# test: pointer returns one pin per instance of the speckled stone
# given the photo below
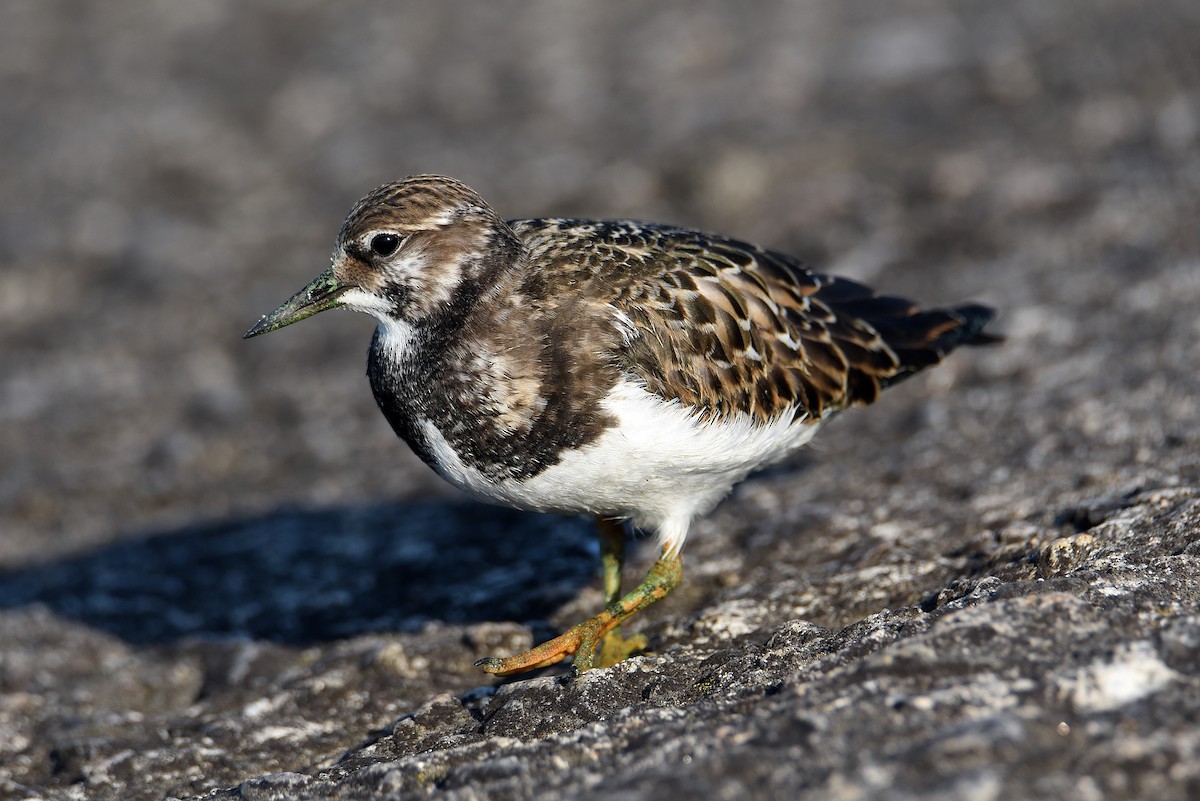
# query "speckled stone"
(222, 577)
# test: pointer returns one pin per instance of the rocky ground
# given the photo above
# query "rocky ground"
(221, 576)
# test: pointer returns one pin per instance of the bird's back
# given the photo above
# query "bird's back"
(727, 327)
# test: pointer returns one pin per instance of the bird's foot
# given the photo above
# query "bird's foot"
(596, 642)
(582, 640)
(614, 648)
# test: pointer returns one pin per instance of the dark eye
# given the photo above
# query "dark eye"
(384, 244)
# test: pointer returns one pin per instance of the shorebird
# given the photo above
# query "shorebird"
(626, 370)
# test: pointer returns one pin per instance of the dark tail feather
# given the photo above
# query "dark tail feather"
(976, 317)
(921, 339)
(905, 326)
(937, 330)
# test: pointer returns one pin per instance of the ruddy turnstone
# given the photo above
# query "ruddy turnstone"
(626, 370)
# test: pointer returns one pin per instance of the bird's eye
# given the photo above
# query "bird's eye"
(384, 244)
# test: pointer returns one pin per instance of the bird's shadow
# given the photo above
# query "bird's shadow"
(302, 577)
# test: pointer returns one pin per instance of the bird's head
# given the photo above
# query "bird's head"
(405, 251)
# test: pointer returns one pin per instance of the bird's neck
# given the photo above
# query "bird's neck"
(418, 367)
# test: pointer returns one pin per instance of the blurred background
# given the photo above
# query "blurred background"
(217, 561)
(173, 170)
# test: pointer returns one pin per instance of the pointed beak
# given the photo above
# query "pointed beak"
(321, 294)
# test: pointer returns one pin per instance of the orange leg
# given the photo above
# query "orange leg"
(614, 647)
(597, 642)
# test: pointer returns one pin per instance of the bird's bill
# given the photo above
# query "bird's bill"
(321, 294)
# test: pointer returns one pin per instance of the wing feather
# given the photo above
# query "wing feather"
(727, 327)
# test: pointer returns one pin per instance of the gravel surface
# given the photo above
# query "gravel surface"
(222, 576)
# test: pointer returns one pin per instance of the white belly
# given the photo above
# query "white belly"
(660, 466)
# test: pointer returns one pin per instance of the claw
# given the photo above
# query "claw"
(596, 642)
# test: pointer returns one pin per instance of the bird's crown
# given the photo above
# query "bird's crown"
(409, 245)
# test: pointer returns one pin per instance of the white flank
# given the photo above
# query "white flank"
(660, 466)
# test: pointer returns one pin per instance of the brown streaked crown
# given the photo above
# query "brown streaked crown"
(447, 236)
(416, 203)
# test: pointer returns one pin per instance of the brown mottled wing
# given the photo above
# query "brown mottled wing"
(727, 327)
